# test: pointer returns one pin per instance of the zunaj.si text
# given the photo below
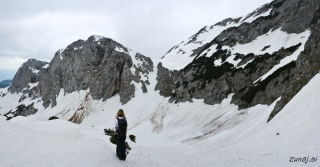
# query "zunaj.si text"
(303, 159)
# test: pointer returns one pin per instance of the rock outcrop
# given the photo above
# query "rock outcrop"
(21, 110)
(25, 110)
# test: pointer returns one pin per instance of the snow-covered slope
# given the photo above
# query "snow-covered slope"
(182, 54)
(227, 137)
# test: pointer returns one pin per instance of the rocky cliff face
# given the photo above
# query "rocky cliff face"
(27, 78)
(99, 64)
(27, 74)
(233, 57)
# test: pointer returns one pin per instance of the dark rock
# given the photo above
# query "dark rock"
(25, 110)
(53, 118)
(166, 81)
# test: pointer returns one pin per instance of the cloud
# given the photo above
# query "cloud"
(11, 63)
(37, 29)
(41, 35)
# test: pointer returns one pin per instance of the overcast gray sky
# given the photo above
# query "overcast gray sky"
(38, 28)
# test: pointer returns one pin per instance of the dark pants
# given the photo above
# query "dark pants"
(121, 148)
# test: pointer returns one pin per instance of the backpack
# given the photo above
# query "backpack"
(122, 127)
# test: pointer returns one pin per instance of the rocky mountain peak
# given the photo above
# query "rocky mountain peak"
(99, 64)
(27, 74)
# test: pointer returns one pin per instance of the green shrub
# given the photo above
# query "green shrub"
(127, 146)
(113, 139)
(111, 132)
(132, 138)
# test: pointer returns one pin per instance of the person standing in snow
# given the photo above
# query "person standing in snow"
(121, 131)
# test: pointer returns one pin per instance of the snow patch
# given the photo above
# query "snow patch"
(232, 61)
(35, 71)
(218, 62)
(75, 48)
(119, 49)
(242, 66)
(276, 39)
(32, 85)
(98, 37)
(46, 66)
(288, 41)
(210, 51)
(254, 17)
(60, 52)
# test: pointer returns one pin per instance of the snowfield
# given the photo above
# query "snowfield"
(184, 134)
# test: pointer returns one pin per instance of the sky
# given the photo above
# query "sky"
(37, 28)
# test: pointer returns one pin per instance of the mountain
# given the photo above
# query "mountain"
(270, 53)
(99, 64)
(5, 83)
(236, 93)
